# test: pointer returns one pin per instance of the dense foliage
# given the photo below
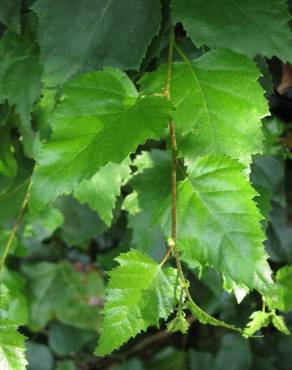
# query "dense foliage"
(145, 184)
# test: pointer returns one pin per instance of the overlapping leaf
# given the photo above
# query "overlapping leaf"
(101, 119)
(89, 35)
(102, 190)
(249, 27)
(217, 110)
(139, 293)
(81, 224)
(151, 184)
(218, 222)
(58, 290)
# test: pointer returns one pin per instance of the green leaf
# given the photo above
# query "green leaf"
(12, 198)
(139, 293)
(102, 190)
(151, 184)
(204, 318)
(64, 340)
(12, 49)
(43, 226)
(59, 290)
(284, 288)
(258, 320)
(247, 27)
(20, 74)
(39, 357)
(22, 85)
(89, 35)
(17, 309)
(218, 222)
(101, 119)
(10, 14)
(279, 323)
(66, 365)
(217, 111)
(179, 323)
(81, 224)
(11, 347)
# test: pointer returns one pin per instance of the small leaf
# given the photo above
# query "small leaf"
(279, 323)
(179, 323)
(139, 293)
(258, 320)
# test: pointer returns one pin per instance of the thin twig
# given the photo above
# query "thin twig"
(172, 241)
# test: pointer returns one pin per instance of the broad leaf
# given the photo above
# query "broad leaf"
(217, 111)
(12, 348)
(59, 290)
(248, 27)
(139, 293)
(87, 34)
(64, 340)
(10, 14)
(39, 356)
(102, 190)
(101, 119)
(218, 222)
